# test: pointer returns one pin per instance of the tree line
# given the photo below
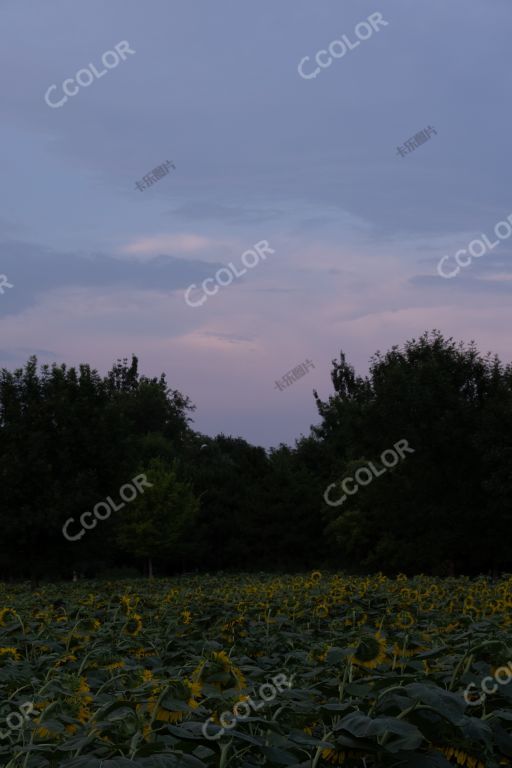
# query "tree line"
(71, 438)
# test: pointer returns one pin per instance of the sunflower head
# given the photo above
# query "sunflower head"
(343, 757)
(142, 653)
(404, 620)
(219, 672)
(128, 603)
(322, 611)
(186, 692)
(115, 665)
(460, 757)
(370, 651)
(133, 626)
(194, 692)
(147, 675)
(10, 653)
(44, 733)
(80, 698)
(7, 616)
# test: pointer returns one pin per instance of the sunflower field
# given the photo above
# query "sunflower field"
(381, 672)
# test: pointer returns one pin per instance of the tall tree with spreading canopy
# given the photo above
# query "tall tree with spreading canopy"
(434, 511)
(68, 439)
(158, 521)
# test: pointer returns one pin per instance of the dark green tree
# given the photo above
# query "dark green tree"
(440, 509)
(157, 523)
(68, 439)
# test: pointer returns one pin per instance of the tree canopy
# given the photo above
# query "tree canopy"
(70, 438)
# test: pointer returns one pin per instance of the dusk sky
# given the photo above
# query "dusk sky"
(99, 268)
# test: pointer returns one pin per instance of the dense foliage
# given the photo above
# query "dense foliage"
(71, 438)
(381, 672)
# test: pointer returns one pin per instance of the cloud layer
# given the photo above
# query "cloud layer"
(99, 269)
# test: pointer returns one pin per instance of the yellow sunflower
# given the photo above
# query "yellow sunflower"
(330, 755)
(404, 620)
(322, 611)
(333, 756)
(370, 651)
(133, 626)
(7, 615)
(182, 690)
(128, 603)
(80, 700)
(12, 653)
(459, 757)
(338, 757)
(45, 733)
(220, 665)
(142, 653)
(115, 665)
